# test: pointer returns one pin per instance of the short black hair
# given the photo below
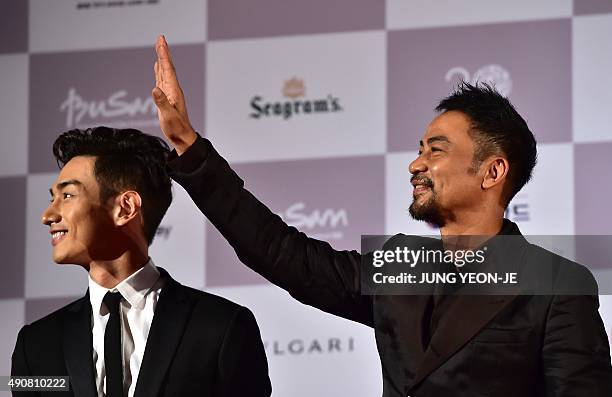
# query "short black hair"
(496, 128)
(125, 159)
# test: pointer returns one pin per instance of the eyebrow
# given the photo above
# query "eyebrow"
(437, 138)
(63, 184)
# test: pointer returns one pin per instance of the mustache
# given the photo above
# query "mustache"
(422, 180)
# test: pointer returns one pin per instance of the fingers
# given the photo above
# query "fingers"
(161, 101)
(162, 49)
(164, 60)
(167, 94)
(166, 47)
(158, 79)
(174, 125)
(159, 83)
(167, 79)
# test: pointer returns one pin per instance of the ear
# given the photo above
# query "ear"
(495, 172)
(127, 207)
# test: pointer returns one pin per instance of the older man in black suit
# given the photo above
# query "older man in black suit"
(474, 157)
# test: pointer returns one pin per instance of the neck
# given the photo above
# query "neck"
(474, 223)
(109, 273)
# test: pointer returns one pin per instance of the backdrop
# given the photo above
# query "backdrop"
(367, 74)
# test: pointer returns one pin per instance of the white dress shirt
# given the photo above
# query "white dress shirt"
(140, 294)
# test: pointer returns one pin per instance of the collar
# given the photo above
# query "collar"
(508, 228)
(133, 289)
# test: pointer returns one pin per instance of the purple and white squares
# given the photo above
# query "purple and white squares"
(424, 65)
(303, 97)
(237, 19)
(593, 191)
(12, 244)
(403, 14)
(582, 7)
(14, 81)
(69, 25)
(13, 26)
(12, 320)
(591, 78)
(335, 200)
(66, 93)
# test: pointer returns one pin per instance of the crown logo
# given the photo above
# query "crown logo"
(294, 88)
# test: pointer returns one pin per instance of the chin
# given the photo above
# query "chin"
(428, 212)
(60, 260)
(63, 259)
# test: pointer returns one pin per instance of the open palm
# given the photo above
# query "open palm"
(170, 101)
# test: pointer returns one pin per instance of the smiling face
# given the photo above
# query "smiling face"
(444, 177)
(79, 222)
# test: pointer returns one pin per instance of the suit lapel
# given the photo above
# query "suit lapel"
(405, 332)
(423, 305)
(78, 352)
(397, 327)
(169, 321)
(467, 315)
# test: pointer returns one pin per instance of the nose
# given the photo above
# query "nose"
(50, 215)
(417, 165)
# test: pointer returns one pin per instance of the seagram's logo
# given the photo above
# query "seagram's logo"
(494, 74)
(294, 88)
(323, 224)
(118, 104)
(296, 103)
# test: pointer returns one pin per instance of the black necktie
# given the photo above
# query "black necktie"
(112, 347)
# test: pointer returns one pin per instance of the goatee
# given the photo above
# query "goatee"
(429, 211)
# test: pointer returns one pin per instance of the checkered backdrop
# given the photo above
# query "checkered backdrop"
(367, 72)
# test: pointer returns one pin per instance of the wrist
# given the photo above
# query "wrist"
(183, 141)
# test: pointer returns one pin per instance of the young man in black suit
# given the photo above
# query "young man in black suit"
(136, 332)
(474, 157)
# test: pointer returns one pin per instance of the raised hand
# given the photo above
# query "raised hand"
(170, 102)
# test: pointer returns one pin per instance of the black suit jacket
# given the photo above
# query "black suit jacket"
(198, 345)
(505, 345)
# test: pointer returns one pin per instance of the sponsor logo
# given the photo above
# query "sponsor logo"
(88, 5)
(518, 209)
(296, 347)
(163, 232)
(80, 111)
(493, 74)
(324, 224)
(294, 88)
(296, 103)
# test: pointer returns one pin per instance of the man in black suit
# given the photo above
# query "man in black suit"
(136, 332)
(474, 157)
